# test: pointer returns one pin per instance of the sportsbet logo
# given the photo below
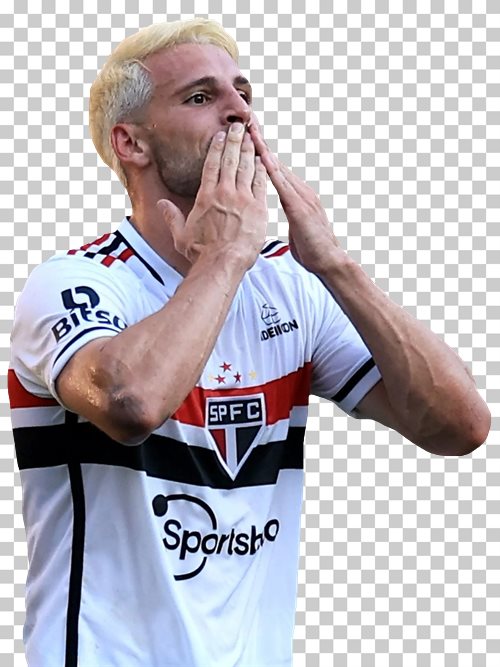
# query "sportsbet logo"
(194, 546)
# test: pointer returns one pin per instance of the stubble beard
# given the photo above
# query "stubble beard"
(179, 172)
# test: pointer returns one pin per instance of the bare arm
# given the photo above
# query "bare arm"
(129, 384)
(426, 392)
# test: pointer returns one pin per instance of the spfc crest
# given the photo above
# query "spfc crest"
(235, 422)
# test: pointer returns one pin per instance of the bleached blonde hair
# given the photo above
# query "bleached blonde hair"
(124, 87)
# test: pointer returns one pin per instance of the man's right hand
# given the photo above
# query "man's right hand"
(230, 210)
(129, 384)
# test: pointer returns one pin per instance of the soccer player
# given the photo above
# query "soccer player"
(160, 378)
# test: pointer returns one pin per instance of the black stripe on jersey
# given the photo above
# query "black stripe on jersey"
(158, 456)
(353, 381)
(77, 547)
(105, 250)
(270, 246)
(154, 273)
(82, 333)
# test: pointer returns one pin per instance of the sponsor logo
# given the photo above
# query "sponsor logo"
(275, 327)
(82, 302)
(196, 539)
(269, 315)
(235, 424)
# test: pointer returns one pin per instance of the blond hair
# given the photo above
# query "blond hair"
(124, 87)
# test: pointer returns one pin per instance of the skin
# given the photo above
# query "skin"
(164, 155)
(200, 202)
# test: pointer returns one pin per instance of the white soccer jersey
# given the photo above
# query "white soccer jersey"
(182, 551)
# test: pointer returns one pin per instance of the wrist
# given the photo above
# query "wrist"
(336, 263)
(232, 256)
(223, 263)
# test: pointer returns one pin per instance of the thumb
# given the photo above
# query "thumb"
(171, 214)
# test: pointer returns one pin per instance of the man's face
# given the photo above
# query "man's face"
(199, 90)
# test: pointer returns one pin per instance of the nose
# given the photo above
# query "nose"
(236, 110)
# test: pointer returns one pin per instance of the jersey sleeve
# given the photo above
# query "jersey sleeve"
(343, 368)
(66, 303)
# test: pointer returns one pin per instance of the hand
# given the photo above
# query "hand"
(230, 209)
(311, 237)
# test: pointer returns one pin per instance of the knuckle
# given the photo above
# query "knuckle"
(229, 160)
(223, 192)
(211, 167)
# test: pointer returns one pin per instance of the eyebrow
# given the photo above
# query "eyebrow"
(211, 81)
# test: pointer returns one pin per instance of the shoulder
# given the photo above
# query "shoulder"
(107, 268)
(277, 262)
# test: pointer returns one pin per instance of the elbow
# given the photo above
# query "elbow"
(124, 410)
(132, 419)
(461, 438)
(478, 431)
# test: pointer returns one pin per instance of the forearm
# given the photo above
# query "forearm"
(429, 388)
(141, 376)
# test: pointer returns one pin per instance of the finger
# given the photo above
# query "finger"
(173, 217)
(261, 147)
(246, 167)
(231, 155)
(254, 123)
(295, 181)
(259, 183)
(270, 161)
(211, 168)
(278, 177)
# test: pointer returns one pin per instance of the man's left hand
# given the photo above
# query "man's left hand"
(311, 237)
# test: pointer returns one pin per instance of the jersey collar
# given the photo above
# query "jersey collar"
(170, 277)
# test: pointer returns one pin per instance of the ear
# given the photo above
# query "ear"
(129, 145)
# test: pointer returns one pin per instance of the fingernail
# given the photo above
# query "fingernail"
(237, 128)
(220, 136)
(162, 205)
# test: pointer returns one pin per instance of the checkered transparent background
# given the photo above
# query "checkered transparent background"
(394, 117)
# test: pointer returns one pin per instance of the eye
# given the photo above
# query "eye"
(245, 96)
(197, 99)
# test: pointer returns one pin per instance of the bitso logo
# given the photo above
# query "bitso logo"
(81, 302)
(202, 540)
(234, 424)
(275, 327)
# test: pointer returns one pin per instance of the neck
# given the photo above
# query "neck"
(150, 224)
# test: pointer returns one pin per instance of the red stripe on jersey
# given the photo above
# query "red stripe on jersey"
(281, 394)
(123, 256)
(107, 261)
(19, 397)
(126, 254)
(98, 241)
(279, 252)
